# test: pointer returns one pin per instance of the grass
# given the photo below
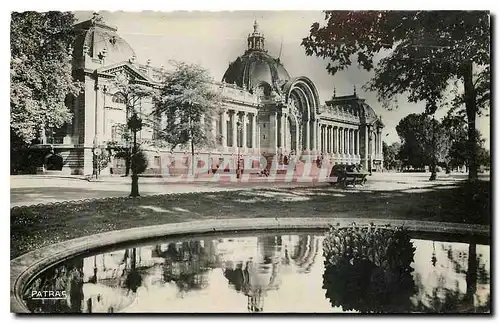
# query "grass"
(37, 226)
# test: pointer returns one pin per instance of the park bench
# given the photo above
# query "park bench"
(354, 178)
(345, 178)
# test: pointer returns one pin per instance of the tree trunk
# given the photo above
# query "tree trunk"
(127, 163)
(470, 107)
(471, 278)
(434, 158)
(192, 157)
(135, 177)
(433, 172)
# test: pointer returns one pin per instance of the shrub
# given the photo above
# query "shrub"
(368, 269)
(139, 162)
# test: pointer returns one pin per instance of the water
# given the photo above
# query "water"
(263, 273)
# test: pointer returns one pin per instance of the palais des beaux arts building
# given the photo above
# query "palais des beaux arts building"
(277, 115)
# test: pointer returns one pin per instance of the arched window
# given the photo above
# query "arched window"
(118, 98)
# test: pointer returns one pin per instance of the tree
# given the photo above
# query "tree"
(456, 128)
(424, 141)
(425, 52)
(391, 154)
(40, 72)
(189, 103)
(133, 92)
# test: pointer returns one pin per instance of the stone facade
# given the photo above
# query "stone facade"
(266, 112)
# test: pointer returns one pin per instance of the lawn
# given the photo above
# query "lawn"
(37, 226)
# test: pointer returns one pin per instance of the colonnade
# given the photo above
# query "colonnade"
(339, 140)
(232, 135)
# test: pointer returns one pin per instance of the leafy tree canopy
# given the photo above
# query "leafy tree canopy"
(425, 49)
(40, 71)
(423, 54)
(391, 154)
(423, 140)
(189, 102)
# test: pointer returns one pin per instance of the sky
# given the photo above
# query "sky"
(214, 39)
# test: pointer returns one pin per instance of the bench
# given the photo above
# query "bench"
(354, 178)
(348, 178)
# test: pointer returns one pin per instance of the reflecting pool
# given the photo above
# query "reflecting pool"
(272, 272)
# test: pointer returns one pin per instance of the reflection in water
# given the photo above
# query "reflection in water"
(382, 272)
(367, 269)
(459, 283)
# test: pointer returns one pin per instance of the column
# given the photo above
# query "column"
(346, 141)
(234, 129)
(285, 131)
(214, 128)
(351, 136)
(349, 146)
(325, 138)
(335, 139)
(332, 139)
(353, 141)
(315, 135)
(357, 142)
(322, 138)
(223, 126)
(282, 131)
(341, 140)
(380, 151)
(273, 125)
(308, 135)
(244, 139)
(254, 129)
(97, 117)
(330, 142)
(366, 148)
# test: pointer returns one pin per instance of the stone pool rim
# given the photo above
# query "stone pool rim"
(25, 267)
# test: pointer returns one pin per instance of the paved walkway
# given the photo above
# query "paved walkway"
(29, 190)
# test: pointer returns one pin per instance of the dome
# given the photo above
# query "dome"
(256, 66)
(95, 36)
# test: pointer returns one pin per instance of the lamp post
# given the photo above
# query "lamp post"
(134, 124)
(96, 151)
(238, 169)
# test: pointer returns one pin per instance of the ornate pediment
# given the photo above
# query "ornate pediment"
(125, 69)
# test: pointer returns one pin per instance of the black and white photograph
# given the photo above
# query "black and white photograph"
(251, 161)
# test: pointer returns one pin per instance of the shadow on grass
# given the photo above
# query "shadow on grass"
(48, 194)
(36, 226)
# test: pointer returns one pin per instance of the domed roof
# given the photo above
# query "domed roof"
(256, 66)
(98, 38)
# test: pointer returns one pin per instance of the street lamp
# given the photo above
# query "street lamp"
(134, 124)
(238, 169)
(96, 151)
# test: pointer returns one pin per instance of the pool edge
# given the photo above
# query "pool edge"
(25, 266)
